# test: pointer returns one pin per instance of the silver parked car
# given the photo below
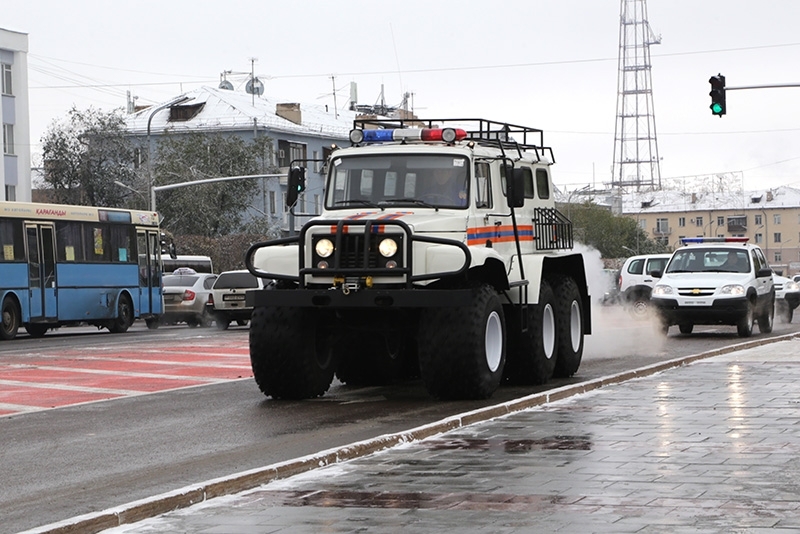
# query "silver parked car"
(186, 293)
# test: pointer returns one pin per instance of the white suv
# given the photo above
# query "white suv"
(636, 281)
(716, 281)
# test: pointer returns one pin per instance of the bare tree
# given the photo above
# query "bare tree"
(84, 154)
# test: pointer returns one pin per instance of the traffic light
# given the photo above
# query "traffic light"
(296, 184)
(717, 95)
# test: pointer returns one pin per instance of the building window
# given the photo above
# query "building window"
(776, 218)
(289, 152)
(8, 138)
(11, 193)
(776, 237)
(272, 209)
(757, 220)
(778, 257)
(681, 221)
(698, 221)
(720, 221)
(662, 226)
(759, 238)
(7, 88)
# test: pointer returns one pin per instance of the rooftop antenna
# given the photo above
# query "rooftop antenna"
(335, 107)
(254, 86)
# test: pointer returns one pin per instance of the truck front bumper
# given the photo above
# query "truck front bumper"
(360, 298)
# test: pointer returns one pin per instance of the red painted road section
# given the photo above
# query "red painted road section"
(51, 379)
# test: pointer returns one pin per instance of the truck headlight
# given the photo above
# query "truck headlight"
(324, 248)
(387, 247)
(791, 286)
(732, 289)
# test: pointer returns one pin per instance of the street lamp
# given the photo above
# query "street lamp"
(151, 179)
(129, 188)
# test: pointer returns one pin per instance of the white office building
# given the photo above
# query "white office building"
(15, 172)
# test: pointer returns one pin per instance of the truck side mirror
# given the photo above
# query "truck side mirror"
(515, 193)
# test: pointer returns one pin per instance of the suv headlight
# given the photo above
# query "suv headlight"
(732, 289)
(791, 286)
(662, 290)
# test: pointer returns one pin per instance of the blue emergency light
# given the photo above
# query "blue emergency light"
(704, 240)
(447, 135)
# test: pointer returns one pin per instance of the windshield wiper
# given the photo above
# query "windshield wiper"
(415, 201)
(359, 201)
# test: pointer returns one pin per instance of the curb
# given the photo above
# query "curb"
(187, 496)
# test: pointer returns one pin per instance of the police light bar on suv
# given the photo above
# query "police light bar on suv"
(447, 135)
(702, 240)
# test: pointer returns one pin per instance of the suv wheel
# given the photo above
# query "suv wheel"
(745, 325)
(767, 319)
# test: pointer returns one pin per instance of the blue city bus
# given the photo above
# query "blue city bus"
(63, 265)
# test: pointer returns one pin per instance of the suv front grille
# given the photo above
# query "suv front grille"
(696, 291)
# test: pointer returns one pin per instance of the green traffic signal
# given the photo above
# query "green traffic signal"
(717, 95)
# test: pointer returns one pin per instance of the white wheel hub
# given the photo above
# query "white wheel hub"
(493, 341)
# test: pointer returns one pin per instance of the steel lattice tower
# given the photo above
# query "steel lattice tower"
(636, 161)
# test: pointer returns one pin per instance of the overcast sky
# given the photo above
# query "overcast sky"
(548, 64)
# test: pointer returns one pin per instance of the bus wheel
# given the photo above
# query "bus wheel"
(124, 316)
(36, 329)
(11, 318)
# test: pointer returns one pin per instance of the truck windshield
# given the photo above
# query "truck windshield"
(440, 181)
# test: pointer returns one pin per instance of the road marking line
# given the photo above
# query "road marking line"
(119, 373)
(68, 387)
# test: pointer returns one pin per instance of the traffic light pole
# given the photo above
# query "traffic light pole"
(771, 86)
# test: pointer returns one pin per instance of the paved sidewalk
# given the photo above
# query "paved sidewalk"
(713, 446)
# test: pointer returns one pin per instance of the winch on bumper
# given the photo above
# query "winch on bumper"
(359, 271)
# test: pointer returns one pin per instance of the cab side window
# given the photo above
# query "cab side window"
(542, 183)
(483, 188)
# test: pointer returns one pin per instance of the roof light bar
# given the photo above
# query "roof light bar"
(447, 135)
(701, 240)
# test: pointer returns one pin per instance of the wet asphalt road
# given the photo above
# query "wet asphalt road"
(65, 462)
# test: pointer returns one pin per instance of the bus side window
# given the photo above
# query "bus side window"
(12, 240)
(68, 239)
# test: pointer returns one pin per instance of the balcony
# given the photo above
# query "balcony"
(662, 230)
(737, 224)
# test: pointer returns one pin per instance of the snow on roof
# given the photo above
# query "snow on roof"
(681, 201)
(224, 109)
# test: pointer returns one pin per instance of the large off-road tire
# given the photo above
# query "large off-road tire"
(290, 353)
(371, 359)
(125, 316)
(569, 327)
(766, 320)
(686, 328)
(11, 319)
(462, 350)
(532, 354)
(745, 325)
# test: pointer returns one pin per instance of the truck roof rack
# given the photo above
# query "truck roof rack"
(481, 131)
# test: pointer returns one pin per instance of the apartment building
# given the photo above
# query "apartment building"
(15, 172)
(770, 218)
